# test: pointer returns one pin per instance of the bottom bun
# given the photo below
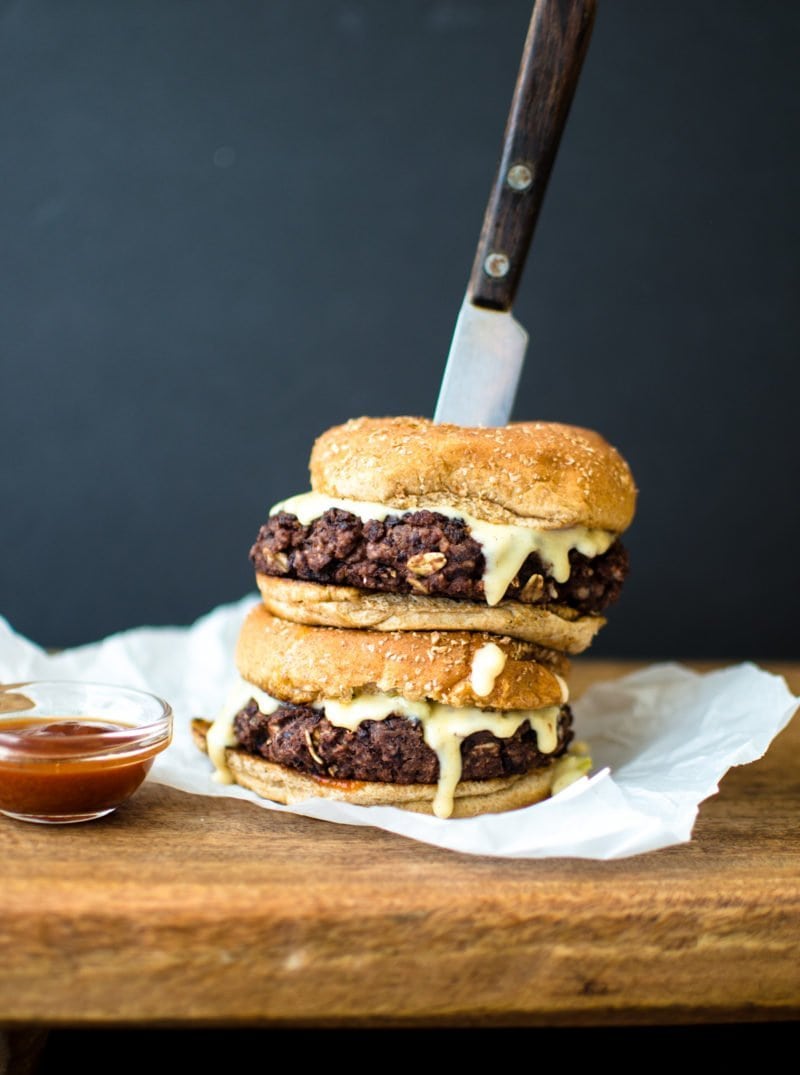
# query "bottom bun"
(553, 627)
(472, 797)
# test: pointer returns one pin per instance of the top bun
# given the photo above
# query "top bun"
(301, 664)
(540, 474)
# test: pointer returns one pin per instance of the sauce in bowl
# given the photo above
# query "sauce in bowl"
(76, 767)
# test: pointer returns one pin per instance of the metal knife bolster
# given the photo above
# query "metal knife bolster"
(483, 368)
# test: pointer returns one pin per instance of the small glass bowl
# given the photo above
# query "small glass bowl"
(73, 751)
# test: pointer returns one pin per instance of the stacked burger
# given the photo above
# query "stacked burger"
(419, 608)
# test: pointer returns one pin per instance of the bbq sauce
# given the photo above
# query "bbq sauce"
(54, 767)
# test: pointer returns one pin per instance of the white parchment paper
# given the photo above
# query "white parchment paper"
(661, 740)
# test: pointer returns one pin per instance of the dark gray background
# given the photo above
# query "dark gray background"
(227, 226)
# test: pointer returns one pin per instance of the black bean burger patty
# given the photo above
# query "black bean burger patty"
(391, 750)
(426, 553)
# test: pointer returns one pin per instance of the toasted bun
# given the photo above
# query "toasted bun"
(297, 663)
(316, 604)
(472, 797)
(541, 474)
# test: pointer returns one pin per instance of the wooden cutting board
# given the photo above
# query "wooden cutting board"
(191, 911)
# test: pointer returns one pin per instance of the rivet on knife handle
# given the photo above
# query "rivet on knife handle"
(558, 37)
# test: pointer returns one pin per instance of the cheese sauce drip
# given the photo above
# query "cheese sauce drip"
(570, 768)
(221, 734)
(505, 546)
(444, 728)
(447, 727)
(487, 664)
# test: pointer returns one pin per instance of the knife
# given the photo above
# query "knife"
(488, 346)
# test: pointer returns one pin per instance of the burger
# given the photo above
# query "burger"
(419, 606)
(411, 525)
(450, 723)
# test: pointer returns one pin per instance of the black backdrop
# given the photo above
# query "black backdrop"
(227, 226)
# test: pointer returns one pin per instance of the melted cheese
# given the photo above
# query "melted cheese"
(487, 664)
(564, 688)
(371, 707)
(505, 546)
(444, 728)
(570, 768)
(221, 734)
(447, 727)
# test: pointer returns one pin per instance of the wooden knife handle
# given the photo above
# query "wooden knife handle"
(558, 37)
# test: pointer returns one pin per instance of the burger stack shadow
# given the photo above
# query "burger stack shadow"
(419, 609)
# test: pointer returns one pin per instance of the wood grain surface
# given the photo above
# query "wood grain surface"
(182, 910)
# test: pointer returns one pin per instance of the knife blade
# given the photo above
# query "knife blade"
(488, 347)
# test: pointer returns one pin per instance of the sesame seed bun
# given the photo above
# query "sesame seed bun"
(300, 664)
(542, 474)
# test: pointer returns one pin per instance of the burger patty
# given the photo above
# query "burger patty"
(390, 751)
(423, 552)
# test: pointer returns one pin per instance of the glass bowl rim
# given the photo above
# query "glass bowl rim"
(130, 739)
